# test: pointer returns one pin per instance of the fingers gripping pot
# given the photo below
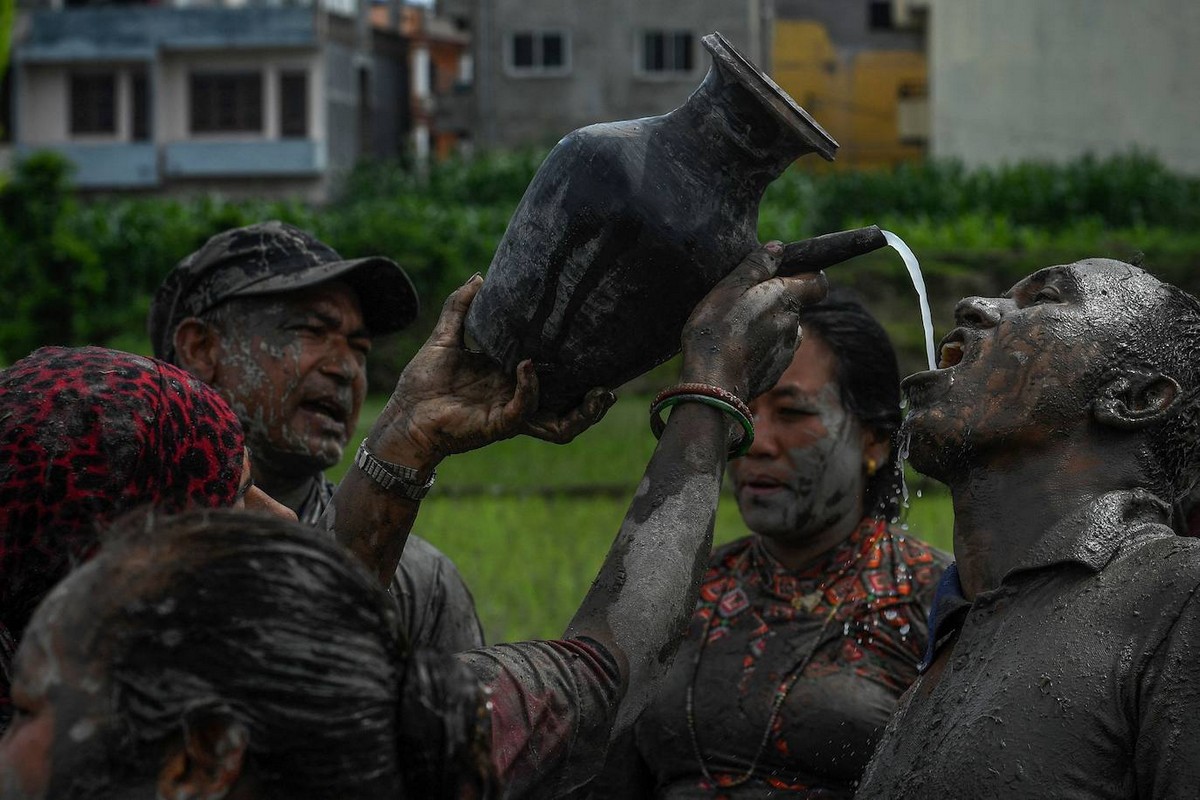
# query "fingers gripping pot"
(627, 225)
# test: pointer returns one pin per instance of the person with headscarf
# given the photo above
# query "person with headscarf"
(87, 434)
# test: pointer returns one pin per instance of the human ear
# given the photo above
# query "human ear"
(196, 348)
(1135, 399)
(876, 447)
(207, 763)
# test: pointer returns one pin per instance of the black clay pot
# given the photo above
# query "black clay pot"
(627, 225)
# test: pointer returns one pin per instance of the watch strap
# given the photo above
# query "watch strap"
(396, 478)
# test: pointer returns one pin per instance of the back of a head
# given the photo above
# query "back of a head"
(241, 619)
(86, 434)
(1172, 346)
(232, 618)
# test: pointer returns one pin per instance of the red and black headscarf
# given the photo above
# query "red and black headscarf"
(87, 434)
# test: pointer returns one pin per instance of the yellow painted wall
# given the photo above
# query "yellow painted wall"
(853, 96)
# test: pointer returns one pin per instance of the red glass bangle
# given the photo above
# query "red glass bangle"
(707, 389)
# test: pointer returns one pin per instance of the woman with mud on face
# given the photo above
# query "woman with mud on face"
(809, 629)
(87, 434)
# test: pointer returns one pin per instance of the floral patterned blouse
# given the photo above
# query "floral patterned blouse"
(792, 675)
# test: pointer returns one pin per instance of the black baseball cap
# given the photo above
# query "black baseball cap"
(271, 258)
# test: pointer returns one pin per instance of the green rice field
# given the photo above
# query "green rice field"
(528, 523)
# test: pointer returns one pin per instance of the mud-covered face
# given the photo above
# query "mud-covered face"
(294, 370)
(1024, 369)
(55, 748)
(804, 472)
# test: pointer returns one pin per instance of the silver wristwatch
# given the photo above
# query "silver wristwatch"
(396, 478)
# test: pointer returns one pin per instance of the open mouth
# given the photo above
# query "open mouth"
(329, 407)
(950, 352)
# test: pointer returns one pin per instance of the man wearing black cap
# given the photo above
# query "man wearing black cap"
(281, 325)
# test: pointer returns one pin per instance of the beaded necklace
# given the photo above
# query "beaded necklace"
(808, 602)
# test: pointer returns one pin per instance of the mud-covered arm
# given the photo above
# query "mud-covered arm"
(740, 337)
(448, 400)
(558, 705)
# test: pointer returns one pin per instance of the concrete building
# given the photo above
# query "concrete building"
(440, 66)
(542, 68)
(859, 67)
(278, 98)
(1031, 79)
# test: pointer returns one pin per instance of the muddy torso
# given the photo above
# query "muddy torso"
(1075, 680)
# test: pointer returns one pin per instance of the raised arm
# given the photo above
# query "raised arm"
(740, 338)
(556, 706)
(448, 400)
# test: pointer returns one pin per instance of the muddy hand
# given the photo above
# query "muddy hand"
(743, 334)
(450, 399)
(561, 429)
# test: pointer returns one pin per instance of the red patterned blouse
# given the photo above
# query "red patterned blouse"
(787, 678)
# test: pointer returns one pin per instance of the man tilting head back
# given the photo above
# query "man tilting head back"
(1061, 661)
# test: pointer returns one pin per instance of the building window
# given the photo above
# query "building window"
(293, 105)
(228, 102)
(667, 52)
(539, 53)
(139, 107)
(94, 103)
(912, 113)
(879, 15)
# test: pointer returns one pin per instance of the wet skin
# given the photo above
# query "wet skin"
(252, 498)
(741, 337)
(295, 373)
(801, 484)
(53, 748)
(59, 707)
(1037, 407)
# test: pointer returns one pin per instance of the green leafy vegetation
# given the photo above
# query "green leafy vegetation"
(87, 269)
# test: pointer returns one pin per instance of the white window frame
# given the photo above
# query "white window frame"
(639, 54)
(537, 70)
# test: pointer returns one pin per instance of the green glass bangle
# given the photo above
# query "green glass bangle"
(657, 426)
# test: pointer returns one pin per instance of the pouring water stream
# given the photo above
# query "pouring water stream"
(914, 272)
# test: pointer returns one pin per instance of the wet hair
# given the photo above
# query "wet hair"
(869, 382)
(239, 619)
(1172, 346)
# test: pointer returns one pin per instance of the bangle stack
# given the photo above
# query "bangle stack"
(726, 402)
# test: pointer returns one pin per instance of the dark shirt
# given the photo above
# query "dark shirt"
(437, 607)
(1077, 677)
(862, 637)
(553, 705)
